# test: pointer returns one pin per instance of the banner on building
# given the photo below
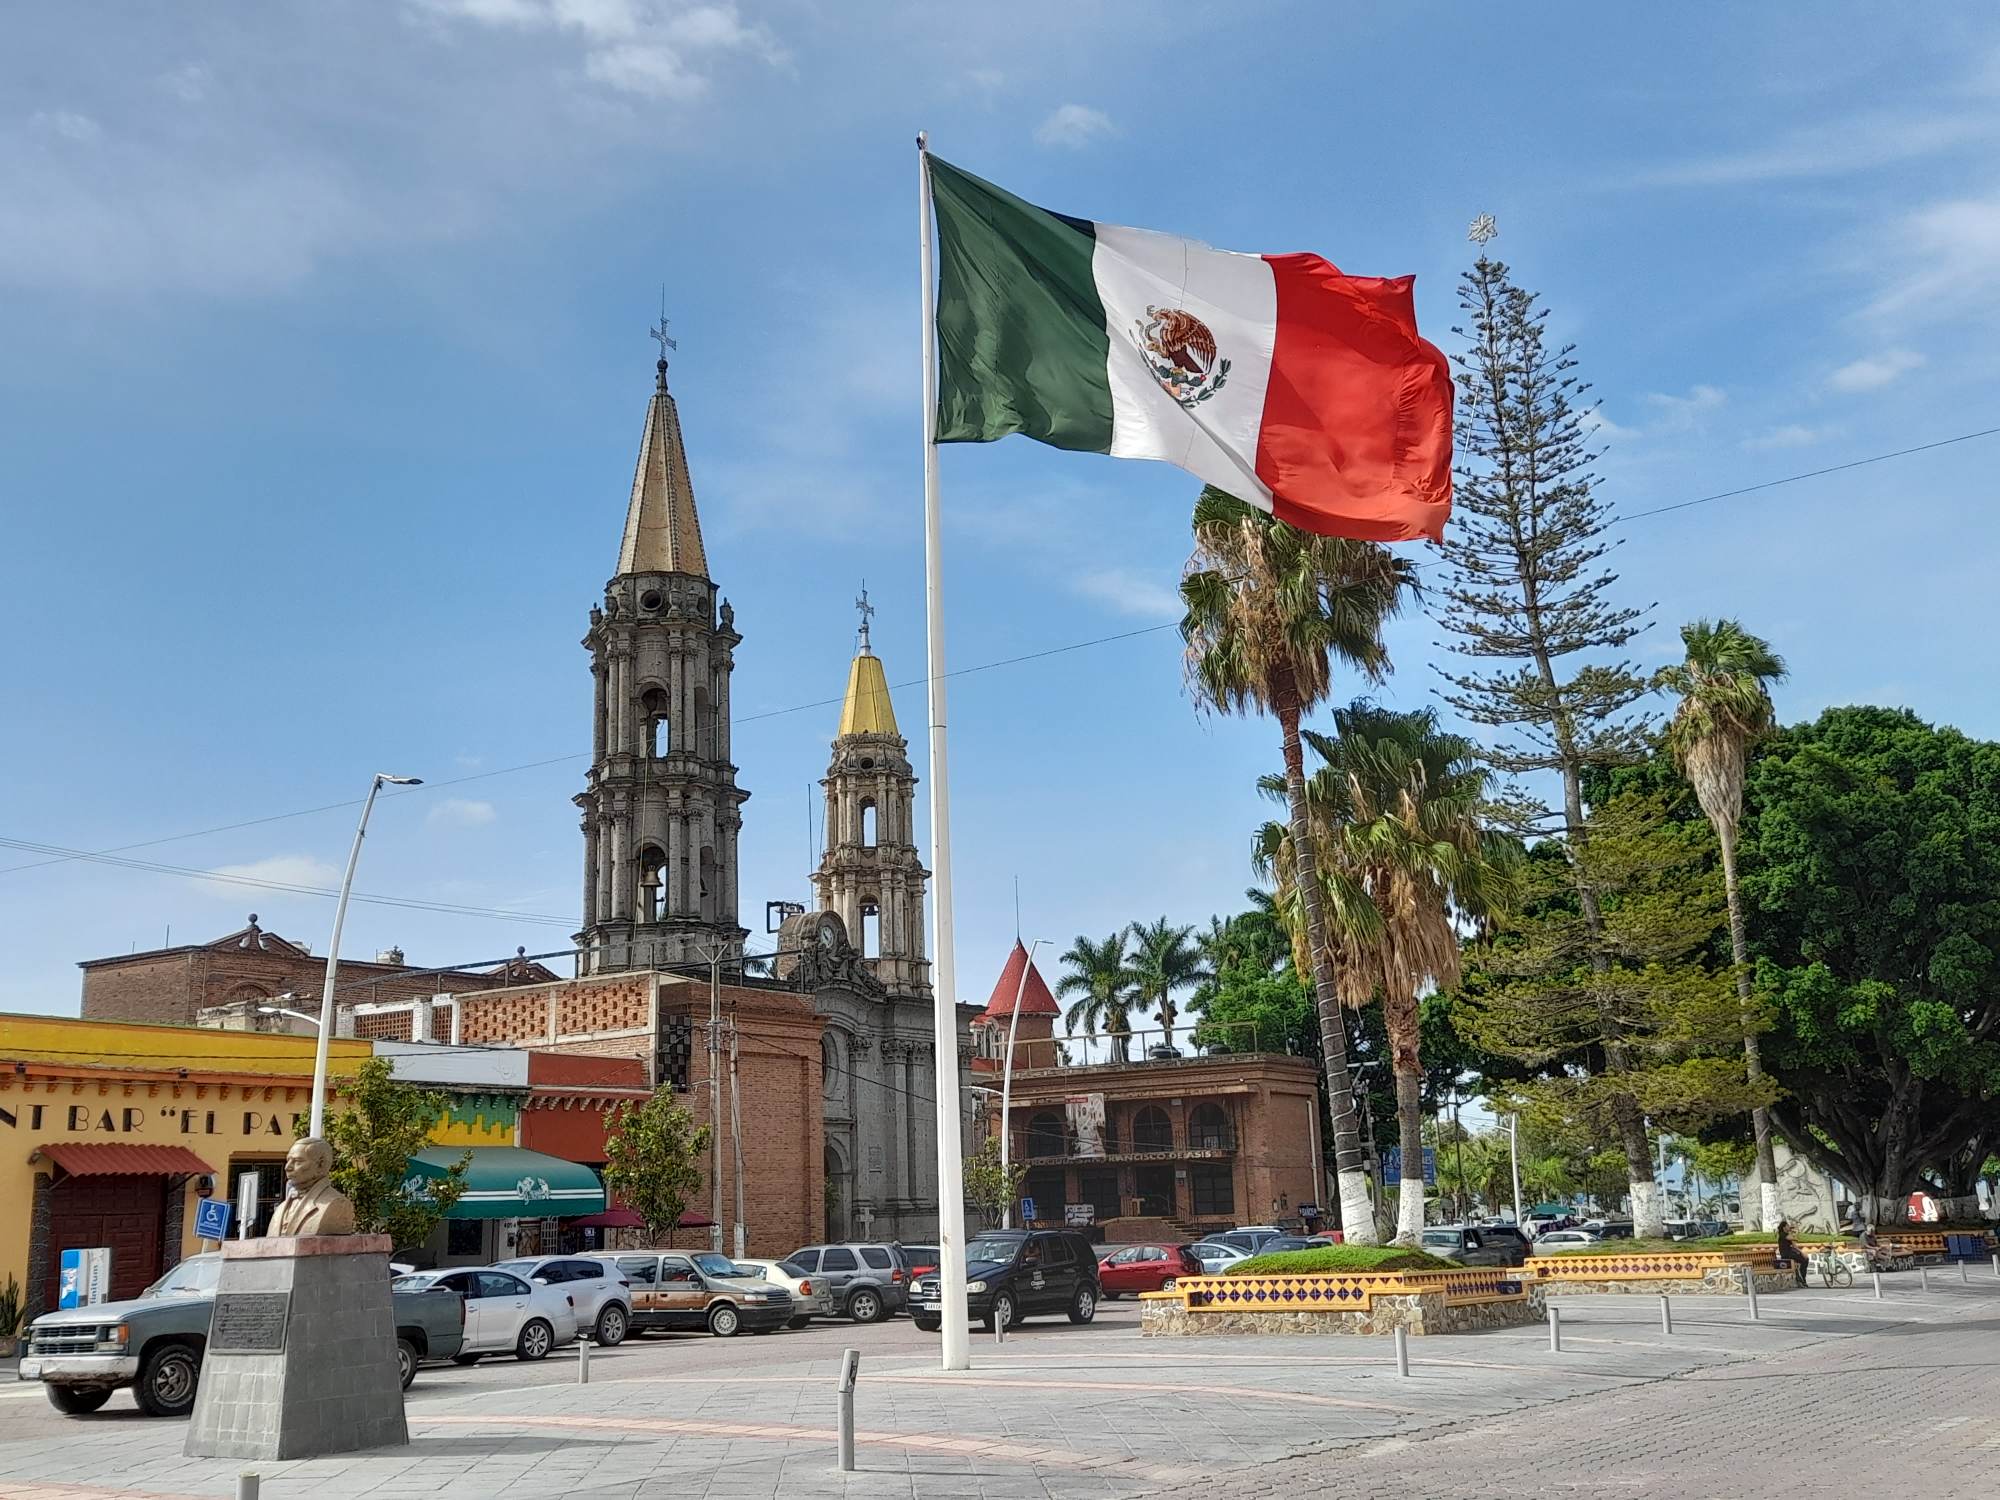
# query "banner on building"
(1086, 1124)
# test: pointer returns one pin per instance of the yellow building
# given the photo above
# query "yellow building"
(109, 1133)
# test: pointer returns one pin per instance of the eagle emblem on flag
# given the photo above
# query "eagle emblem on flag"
(1180, 351)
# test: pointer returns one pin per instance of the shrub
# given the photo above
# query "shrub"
(1338, 1258)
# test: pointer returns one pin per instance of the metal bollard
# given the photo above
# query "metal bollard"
(583, 1361)
(1924, 1277)
(1878, 1284)
(850, 1370)
(1963, 1274)
(1996, 1265)
(1750, 1289)
(999, 1330)
(246, 1485)
(1403, 1352)
(1666, 1315)
(1555, 1329)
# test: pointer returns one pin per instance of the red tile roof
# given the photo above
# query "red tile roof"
(90, 1159)
(1035, 997)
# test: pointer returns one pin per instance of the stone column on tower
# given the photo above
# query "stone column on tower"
(870, 874)
(660, 805)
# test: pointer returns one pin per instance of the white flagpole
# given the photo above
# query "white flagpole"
(957, 1352)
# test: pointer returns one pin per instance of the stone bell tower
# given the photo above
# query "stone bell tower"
(661, 809)
(870, 874)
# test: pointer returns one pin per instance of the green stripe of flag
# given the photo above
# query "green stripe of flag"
(1021, 336)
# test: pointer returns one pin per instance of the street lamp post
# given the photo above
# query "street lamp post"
(1514, 1161)
(1007, 1086)
(382, 778)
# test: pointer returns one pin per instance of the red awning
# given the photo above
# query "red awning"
(90, 1159)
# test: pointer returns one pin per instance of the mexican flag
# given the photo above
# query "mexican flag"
(1278, 378)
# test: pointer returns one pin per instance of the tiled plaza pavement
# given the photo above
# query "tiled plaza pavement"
(1847, 1391)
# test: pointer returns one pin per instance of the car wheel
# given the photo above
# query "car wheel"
(724, 1321)
(612, 1326)
(929, 1325)
(799, 1322)
(1004, 1313)
(466, 1359)
(1083, 1307)
(167, 1381)
(75, 1400)
(536, 1340)
(406, 1362)
(866, 1306)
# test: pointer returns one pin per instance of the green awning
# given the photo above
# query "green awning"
(505, 1182)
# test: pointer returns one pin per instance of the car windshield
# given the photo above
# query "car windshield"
(521, 1268)
(711, 1264)
(418, 1282)
(792, 1268)
(191, 1278)
(1446, 1237)
(996, 1247)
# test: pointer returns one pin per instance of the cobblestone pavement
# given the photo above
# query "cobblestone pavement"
(1896, 1396)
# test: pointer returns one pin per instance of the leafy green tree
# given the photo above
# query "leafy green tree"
(988, 1187)
(1098, 982)
(383, 1125)
(653, 1155)
(1725, 707)
(1643, 1032)
(1268, 610)
(1164, 958)
(1871, 854)
(1528, 597)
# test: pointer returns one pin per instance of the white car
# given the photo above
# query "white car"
(1551, 1240)
(811, 1297)
(1216, 1257)
(596, 1287)
(503, 1313)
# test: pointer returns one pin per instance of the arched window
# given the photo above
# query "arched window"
(710, 884)
(871, 928)
(659, 731)
(703, 738)
(1208, 1128)
(653, 905)
(868, 825)
(1152, 1130)
(1045, 1133)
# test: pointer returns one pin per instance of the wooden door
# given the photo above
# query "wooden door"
(127, 1214)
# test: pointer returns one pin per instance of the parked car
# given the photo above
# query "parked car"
(597, 1289)
(1508, 1234)
(868, 1282)
(1469, 1246)
(1216, 1257)
(155, 1342)
(1283, 1242)
(1012, 1274)
(1249, 1241)
(919, 1258)
(1564, 1239)
(810, 1298)
(503, 1313)
(1145, 1268)
(1609, 1229)
(682, 1289)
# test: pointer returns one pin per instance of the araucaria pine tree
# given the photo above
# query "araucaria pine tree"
(1528, 597)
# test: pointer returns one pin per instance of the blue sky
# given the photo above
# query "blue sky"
(326, 359)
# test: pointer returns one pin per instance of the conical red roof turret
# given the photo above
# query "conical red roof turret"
(1035, 997)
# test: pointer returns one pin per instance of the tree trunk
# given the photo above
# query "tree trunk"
(1357, 1212)
(1399, 1019)
(1753, 1062)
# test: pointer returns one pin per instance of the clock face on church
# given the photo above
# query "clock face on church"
(829, 934)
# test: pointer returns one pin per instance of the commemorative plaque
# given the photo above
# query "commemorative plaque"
(248, 1322)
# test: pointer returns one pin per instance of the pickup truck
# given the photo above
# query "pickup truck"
(154, 1342)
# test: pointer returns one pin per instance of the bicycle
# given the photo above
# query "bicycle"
(1833, 1269)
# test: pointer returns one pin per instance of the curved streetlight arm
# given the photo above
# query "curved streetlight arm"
(1007, 1086)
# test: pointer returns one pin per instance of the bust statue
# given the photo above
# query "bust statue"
(313, 1205)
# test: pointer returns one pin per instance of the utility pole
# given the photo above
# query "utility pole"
(736, 1132)
(1514, 1161)
(714, 957)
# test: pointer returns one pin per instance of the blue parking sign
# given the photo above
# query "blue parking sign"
(1027, 1210)
(211, 1218)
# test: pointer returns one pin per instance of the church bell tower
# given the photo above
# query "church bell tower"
(660, 806)
(870, 875)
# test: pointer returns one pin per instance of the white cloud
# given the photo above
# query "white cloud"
(1874, 371)
(1789, 435)
(1596, 424)
(458, 812)
(66, 123)
(1679, 413)
(654, 48)
(1074, 126)
(1832, 148)
(188, 84)
(305, 870)
(1128, 593)
(1950, 255)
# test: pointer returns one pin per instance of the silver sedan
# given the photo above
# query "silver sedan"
(812, 1296)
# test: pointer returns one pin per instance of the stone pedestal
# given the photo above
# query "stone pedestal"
(301, 1357)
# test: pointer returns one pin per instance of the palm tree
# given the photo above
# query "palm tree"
(1100, 979)
(1164, 959)
(1268, 609)
(1724, 687)
(1398, 808)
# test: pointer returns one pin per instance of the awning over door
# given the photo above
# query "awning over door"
(104, 1159)
(506, 1182)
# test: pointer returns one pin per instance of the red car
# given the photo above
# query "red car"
(1144, 1268)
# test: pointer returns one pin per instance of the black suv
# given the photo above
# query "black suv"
(1013, 1274)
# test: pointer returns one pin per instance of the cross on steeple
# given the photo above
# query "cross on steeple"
(659, 334)
(867, 612)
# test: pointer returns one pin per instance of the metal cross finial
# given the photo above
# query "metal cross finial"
(867, 612)
(659, 332)
(1483, 229)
